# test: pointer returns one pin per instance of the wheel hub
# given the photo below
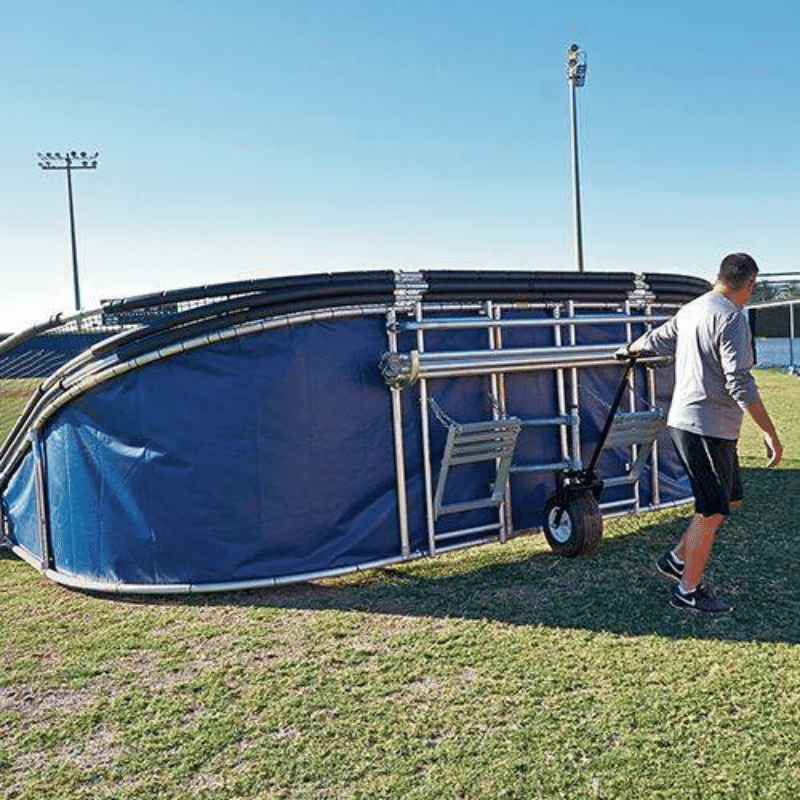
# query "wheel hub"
(561, 532)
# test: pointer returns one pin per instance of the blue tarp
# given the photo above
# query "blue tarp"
(272, 455)
(267, 455)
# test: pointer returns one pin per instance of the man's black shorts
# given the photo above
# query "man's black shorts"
(713, 468)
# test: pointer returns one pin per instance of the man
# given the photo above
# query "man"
(711, 341)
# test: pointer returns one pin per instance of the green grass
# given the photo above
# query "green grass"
(499, 671)
(14, 395)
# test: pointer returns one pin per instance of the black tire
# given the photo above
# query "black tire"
(580, 527)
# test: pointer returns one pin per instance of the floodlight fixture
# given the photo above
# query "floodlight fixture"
(576, 65)
(68, 162)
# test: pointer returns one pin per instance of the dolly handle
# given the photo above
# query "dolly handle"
(632, 358)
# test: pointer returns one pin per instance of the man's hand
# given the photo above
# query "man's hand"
(632, 350)
(771, 440)
(774, 450)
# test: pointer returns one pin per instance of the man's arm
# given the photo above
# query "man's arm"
(659, 341)
(736, 358)
(773, 444)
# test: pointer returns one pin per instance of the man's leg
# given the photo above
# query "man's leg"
(695, 546)
(710, 464)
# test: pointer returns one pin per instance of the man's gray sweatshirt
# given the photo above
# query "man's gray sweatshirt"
(711, 341)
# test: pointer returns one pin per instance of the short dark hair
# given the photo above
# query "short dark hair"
(737, 270)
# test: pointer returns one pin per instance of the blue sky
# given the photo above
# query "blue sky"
(248, 138)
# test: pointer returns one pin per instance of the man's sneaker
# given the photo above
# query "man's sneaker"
(670, 567)
(700, 599)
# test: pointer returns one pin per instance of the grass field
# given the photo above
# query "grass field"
(14, 394)
(499, 671)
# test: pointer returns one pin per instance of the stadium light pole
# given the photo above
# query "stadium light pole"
(69, 161)
(576, 75)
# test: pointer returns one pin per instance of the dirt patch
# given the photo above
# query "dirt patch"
(99, 749)
(38, 702)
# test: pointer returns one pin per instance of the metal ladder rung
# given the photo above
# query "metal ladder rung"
(505, 434)
(491, 435)
(487, 435)
(470, 505)
(469, 456)
(488, 426)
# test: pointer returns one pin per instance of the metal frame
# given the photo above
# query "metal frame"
(416, 367)
(42, 510)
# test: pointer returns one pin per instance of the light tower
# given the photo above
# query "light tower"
(69, 161)
(576, 75)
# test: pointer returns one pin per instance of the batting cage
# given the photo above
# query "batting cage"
(264, 432)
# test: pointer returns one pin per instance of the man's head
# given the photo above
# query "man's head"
(737, 271)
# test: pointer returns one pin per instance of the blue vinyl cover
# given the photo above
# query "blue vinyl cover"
(262, 456)
(20, 507)
(272, 455)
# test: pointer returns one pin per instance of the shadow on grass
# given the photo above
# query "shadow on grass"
(6, 553)
(754, 565)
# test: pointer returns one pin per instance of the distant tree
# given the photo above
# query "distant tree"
(763, 292)
(767, 290)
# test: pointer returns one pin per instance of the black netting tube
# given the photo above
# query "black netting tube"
(316, 284)
(675, 288)
(531, 286)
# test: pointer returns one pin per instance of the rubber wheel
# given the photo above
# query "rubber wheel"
(580, 528)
